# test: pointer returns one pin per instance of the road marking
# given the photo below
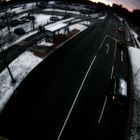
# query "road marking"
(103, 108)
(102, 43)
(78, 93)
(121, 56)
(115, 49)
(112, 70)
(108, 47)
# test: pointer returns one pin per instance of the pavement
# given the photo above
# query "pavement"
(66, 96)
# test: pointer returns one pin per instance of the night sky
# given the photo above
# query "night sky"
(129, 4)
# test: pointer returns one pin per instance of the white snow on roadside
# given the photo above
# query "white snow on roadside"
(22, 8)
(76, 20)
(44, 43)
(95, 15)
(20, 68)
(134, 54)
(103, 17)
(59, 10)
(78, 27)
(85, 23)
(42, 19)
(135, 36)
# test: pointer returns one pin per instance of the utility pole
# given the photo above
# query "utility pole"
(7, 66)
(8, 27)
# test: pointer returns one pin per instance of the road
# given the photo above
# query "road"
(66, 96)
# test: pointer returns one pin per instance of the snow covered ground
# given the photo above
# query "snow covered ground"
(59, 10)
(20, 68)
(134, 54)
(95, 15)
(78, 26)
(135, 36)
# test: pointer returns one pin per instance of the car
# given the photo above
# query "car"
(121, 44)
(24, 20)
(119, 91)
(54, 19)
(14, 23)
(19, 31)
(120, 29)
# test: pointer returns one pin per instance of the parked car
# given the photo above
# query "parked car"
(119, 90)
(24, 19)
(14, 23)
(19, 31)
(54, 19)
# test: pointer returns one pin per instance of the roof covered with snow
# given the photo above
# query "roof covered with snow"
(57, 27)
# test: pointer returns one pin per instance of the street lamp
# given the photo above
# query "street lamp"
(7, 66)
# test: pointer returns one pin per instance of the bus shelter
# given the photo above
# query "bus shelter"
(54, 30)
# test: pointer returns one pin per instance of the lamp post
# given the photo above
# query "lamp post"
(7, 66)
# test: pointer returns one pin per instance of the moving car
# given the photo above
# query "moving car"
(119, 91)
(54, 19)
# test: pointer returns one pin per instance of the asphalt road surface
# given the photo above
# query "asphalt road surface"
(66, 96)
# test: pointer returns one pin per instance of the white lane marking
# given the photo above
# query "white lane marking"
(63, 127)
(102, 43)
(77, 95)
(108, 47)
(103, 108)
(112, 70)
(121, 56)
(115, 49)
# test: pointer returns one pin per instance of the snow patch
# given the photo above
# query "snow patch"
(103, 17)
(135, 57)
(78, 27)
(59, 10)
(44, 43)
(135, 36)
(20, 68)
